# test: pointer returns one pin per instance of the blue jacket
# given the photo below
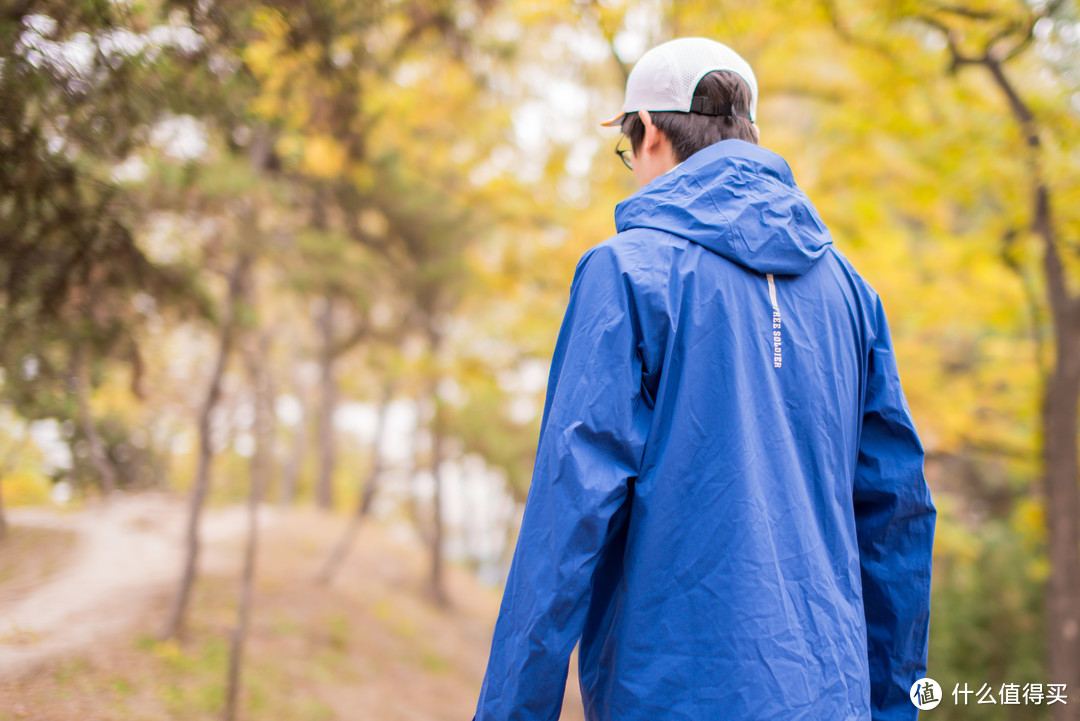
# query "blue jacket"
(728, 506)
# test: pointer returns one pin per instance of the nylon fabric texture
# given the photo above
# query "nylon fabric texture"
(728, 509)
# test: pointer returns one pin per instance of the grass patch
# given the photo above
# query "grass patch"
(434, 662)
(338, 627)
(122, 687)
(70, 670)
(283, 625)
(315, 710)
(402, 626)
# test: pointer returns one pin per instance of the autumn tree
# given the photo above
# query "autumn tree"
(74, 104)
(995, 41)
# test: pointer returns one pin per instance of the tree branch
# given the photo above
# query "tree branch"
(1065, 308)
(845, 33)
(1032, 297)
(965, 12)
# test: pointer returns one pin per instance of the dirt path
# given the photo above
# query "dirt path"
(126, 553)
(369, 645)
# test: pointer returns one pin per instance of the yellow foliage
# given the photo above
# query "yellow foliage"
(323, 157)
(952, 539)
(24, 487)
(1030, 520)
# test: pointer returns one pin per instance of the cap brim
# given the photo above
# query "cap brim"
(617, 120)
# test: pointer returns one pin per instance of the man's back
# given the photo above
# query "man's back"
(740, 552)
(733, 516)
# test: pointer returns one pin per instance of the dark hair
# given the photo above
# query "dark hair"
(691, 132)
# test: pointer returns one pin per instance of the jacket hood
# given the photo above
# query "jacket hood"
(740, 201)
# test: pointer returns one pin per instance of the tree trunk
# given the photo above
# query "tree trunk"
(438, 585)
(99, 457)
(260, 381)
(324, 489)
(174, 625)
(1061, 454)
(366, 496)
(1061, 458)
(266, 432)
(420, 523)
(290, 477)
(1062, 488)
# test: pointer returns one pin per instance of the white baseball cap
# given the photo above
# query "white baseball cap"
(664, 78)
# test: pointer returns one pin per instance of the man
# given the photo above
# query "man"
(728, 507)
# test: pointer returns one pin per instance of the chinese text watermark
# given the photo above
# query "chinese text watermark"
(926, 693)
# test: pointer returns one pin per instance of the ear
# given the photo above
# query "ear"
(653, 135)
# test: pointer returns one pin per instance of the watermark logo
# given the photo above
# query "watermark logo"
(925, 693)
(1031, 694)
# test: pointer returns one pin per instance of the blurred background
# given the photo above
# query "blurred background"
(304, 261)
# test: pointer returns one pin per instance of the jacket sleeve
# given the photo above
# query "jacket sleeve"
(592, 439)
(895, 518)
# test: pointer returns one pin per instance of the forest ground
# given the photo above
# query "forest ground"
(83, 594)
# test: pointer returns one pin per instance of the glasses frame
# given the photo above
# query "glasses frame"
(625, 154)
